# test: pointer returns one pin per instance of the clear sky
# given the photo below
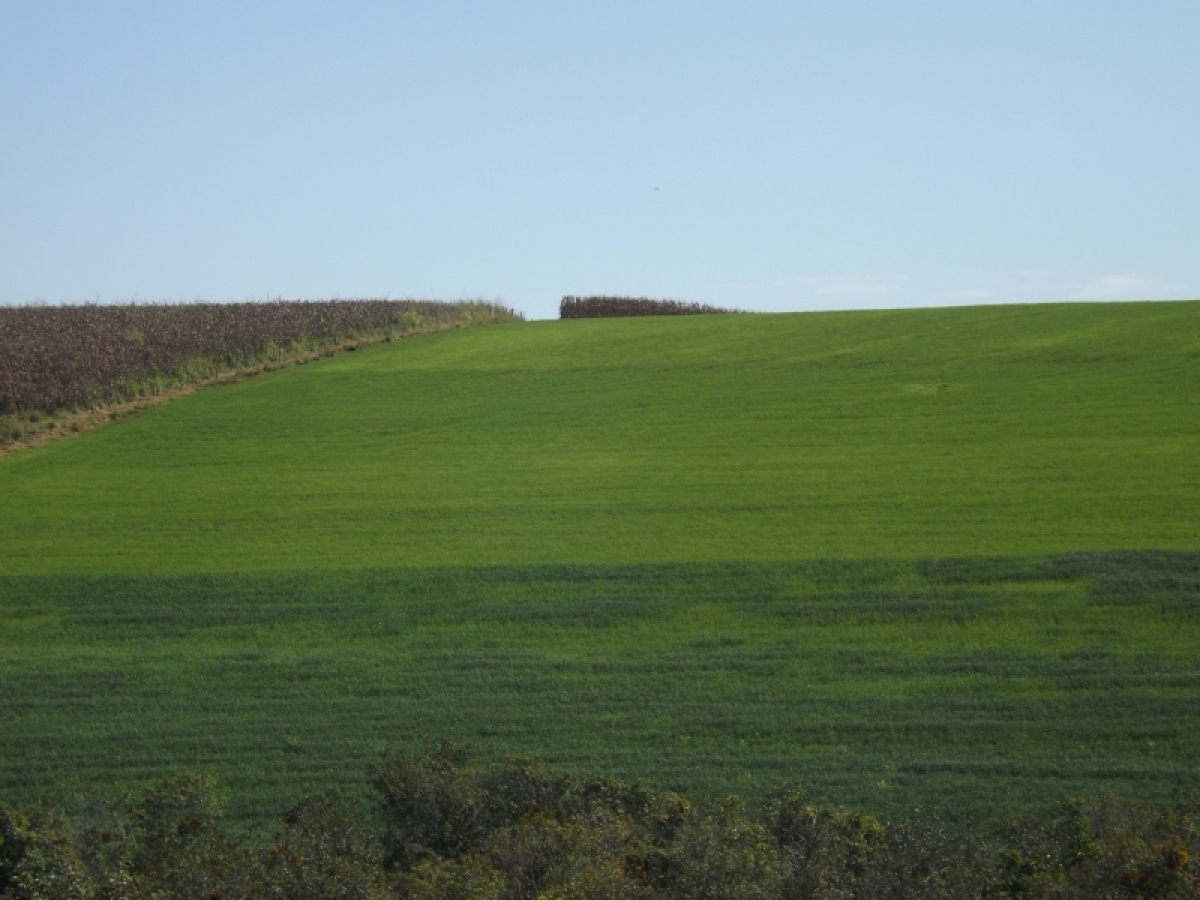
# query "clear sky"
(772, 156)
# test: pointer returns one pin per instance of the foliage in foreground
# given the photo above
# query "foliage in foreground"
(621, 307)
(60, 357)
(447, 830)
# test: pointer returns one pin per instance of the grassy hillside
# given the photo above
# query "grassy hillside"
(941, 557)
(891, 434)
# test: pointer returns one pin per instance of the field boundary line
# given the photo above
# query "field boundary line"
(69, 424)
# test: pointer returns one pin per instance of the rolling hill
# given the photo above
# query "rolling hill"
(993, 430)
(908, 559)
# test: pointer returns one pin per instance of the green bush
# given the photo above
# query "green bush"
(38, 858)
(720, 853)
(326, 851)
(432, 806)
(824, 851)
(519, 830)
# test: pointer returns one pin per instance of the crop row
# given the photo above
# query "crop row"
(620, 307)
(63, 357)
(886, 686)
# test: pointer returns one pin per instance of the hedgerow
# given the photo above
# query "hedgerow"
(447, 829)
(619, 307)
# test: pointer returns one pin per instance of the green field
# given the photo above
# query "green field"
(705, 551)
(895, 434)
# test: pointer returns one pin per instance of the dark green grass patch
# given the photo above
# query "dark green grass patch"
(915, 433)
(883, 686)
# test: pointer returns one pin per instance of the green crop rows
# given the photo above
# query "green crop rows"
(914, 434)
(881, 686)
(929, 558)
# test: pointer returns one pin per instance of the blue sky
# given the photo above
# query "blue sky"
(773, 156)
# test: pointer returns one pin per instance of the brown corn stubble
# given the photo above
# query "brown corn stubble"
(621, 307)
(72, 357)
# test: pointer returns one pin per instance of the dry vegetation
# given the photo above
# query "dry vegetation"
(621, 307)
(59, 364)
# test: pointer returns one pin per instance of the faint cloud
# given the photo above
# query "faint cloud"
(920, 288)
(841, 287)
(1125, 287)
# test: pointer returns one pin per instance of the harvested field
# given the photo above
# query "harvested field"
(623, 307)
(55, 358)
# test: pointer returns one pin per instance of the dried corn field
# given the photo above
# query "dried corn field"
(55, 358)
(620, 307)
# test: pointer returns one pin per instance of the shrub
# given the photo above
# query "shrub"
(38, 858)
(468, 877)
(432, 806)
(1100, 848)
(719, 853)
(824, 851)
(325, 852)
(520, 830)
